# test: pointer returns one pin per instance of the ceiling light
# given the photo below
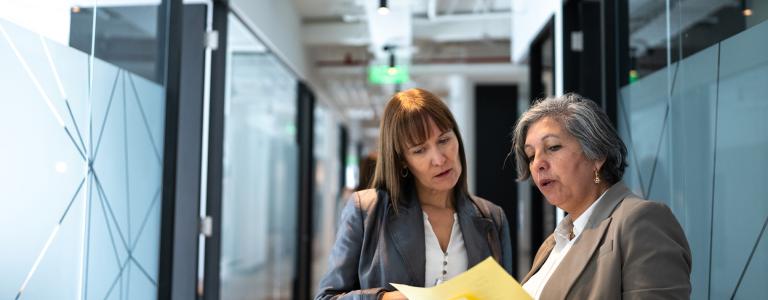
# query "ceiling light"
(383, 8)
(744, 9)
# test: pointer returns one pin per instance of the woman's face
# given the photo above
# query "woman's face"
(559, 167)
(435, 163)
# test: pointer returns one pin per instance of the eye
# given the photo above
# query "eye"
(418, 150)
(554, 148)
(530, 159)
(444, 140)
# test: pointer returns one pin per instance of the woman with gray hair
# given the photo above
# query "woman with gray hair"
(612, 244)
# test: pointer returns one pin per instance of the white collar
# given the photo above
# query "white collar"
(561, 232)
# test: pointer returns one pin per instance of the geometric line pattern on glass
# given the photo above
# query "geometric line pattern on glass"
(647, 191)
(623, 112)
(663, 131)
(91, 175)
(749, 260)
(714, 169)
(59, 119)
(39, 88)
(127, 279)
(646, 188)
(146, 123)
(48, 242)
(109, 212)
(106, 114)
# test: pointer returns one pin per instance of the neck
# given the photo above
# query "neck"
(575, 214)
(438, 199)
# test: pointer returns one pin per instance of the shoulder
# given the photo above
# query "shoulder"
(640, 218)
(365, 199)
(365, 202)
(634, 208)
(487, 208)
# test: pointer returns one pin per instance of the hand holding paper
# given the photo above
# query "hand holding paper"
(485, 281)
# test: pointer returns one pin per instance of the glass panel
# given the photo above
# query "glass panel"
(327, 191)
(717, 147)
(260, 180)
(643, 120)
(83, 141)
(741, 161)
(688, 26)
(753, 282)
(692, 121)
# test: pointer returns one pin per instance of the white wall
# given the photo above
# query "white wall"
(278, 25)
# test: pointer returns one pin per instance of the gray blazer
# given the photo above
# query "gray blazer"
(375, 247)
(630, 249)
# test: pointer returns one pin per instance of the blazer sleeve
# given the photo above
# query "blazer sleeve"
(506, 244)
(657, 259)
(342, 280)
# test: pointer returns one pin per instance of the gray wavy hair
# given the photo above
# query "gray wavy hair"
(585, 121)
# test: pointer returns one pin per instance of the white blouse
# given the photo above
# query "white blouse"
(441, 266)
(535, 285)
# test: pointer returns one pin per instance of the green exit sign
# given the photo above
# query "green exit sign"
(387, 75)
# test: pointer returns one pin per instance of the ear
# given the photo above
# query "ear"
(598, 163)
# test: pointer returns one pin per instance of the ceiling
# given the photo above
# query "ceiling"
(437, 39)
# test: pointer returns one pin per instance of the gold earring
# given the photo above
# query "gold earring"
(597, 177)
(404, 172)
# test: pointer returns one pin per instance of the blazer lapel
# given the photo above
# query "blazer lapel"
(573, 263)
(406, 232)
(581, 251)
(475, 230)
(541, 257)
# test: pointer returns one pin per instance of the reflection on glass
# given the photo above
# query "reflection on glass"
(661, 32)
(327, 190)
(696, 137)
(82, 159)
(260, 180)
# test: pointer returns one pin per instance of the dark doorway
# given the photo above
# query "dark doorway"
(495, 115)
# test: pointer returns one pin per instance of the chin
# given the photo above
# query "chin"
(555, 202)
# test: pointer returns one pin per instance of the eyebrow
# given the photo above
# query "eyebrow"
(550, 135)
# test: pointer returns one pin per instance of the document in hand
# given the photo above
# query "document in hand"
(485, 281)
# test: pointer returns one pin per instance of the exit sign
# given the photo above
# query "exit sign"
(387, 75)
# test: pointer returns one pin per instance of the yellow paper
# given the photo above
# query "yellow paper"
(485, 281)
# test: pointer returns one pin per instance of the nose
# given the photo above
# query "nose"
(538, 164)
(437, 158)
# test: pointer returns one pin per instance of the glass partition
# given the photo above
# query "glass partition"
(260, 180)
(696, 132)
(83, 132)
(661, 32)
(327, 188)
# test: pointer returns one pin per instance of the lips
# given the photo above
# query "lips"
(443, 173)
(545, 182)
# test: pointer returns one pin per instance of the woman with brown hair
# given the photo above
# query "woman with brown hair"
(417, 224)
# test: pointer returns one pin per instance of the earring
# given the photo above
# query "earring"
(597, 177)
(404, 172)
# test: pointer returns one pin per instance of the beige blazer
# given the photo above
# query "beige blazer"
(630, 249)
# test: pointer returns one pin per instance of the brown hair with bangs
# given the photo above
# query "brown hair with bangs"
(405, 124)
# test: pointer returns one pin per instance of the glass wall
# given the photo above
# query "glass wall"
(260, 180)
(661, 32)
(83, 134)
(697, 139)
(327, 188)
